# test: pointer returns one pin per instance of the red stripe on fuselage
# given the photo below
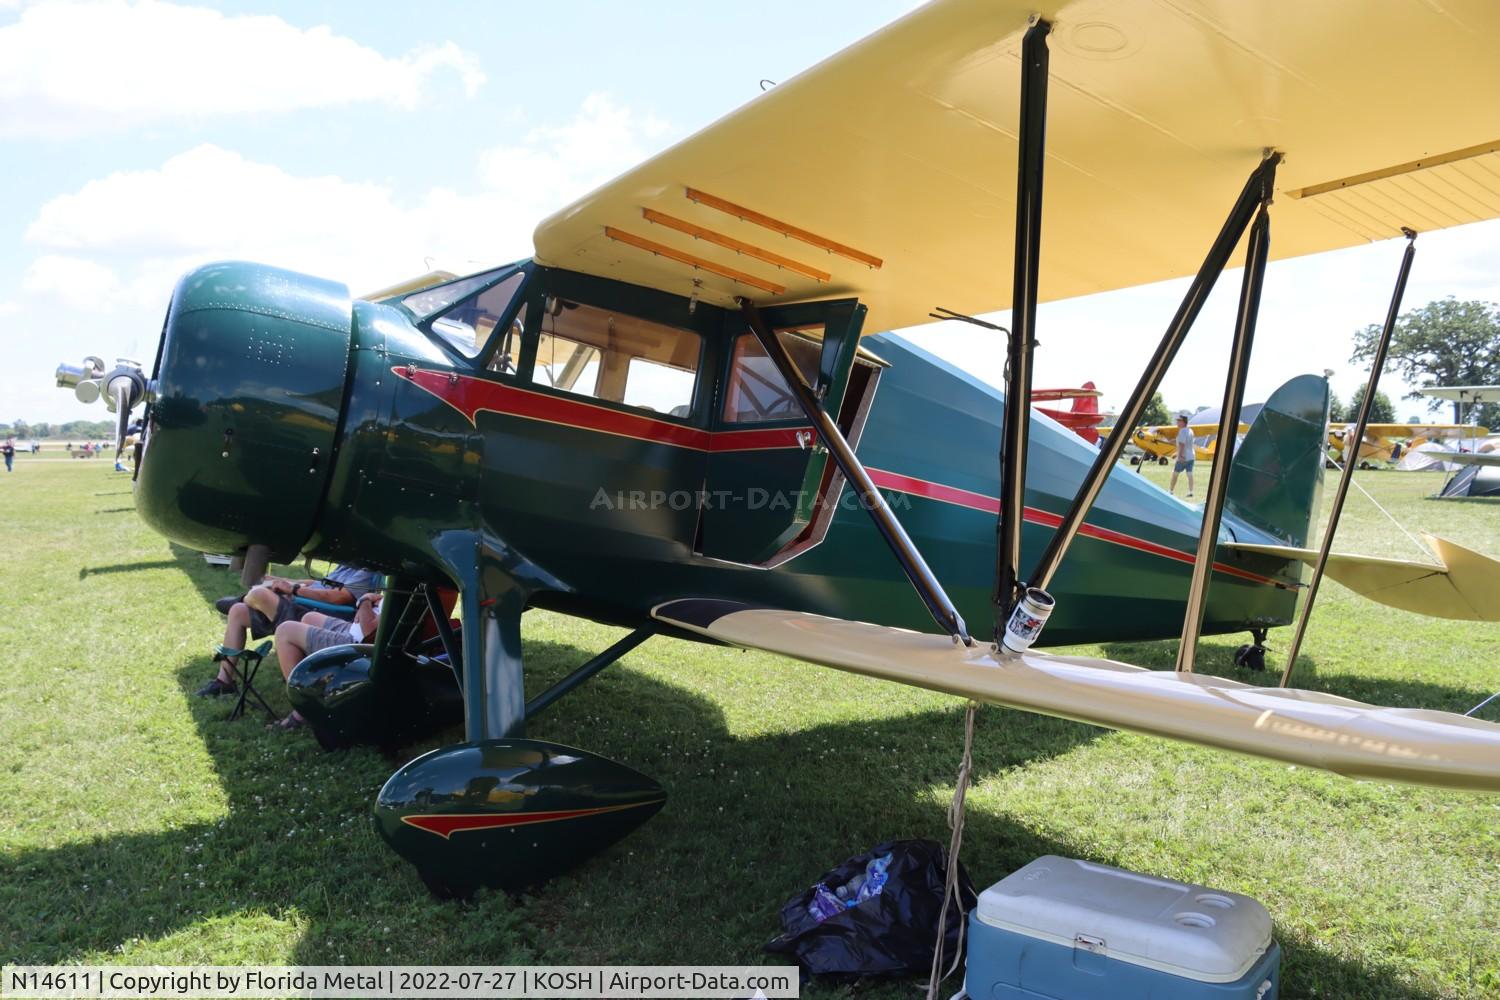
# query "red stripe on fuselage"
(991, 505)
(471, 396)
(446, 825)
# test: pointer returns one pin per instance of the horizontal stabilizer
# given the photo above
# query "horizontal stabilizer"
(1462, 584)
(1302, 727)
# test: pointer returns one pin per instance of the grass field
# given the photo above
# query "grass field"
(138, 827)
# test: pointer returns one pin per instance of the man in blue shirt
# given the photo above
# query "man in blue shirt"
(272, 602)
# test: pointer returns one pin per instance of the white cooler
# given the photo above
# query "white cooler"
(1063, 929)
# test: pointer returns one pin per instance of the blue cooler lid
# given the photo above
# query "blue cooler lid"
(1178, 928)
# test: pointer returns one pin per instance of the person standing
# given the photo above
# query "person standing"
(8, 449)
(1185, 455)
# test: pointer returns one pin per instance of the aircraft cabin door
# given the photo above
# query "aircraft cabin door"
(770, 488)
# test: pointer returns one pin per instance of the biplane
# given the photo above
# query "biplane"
(1158, 442)
(1082, 418)
(1387, 442)
(1474, 463)
(670, 418)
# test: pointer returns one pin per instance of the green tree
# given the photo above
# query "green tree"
(1445, 342)
(1156, 412)
(1383, 412)
(20, 428)
(1336, 412)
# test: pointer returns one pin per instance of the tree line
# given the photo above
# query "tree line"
(1444, 343)
(81, 429)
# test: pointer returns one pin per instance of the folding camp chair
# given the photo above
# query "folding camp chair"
(243, 668)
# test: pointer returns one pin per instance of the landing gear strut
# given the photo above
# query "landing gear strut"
(1252, 655)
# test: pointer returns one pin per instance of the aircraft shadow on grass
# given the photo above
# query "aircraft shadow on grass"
(84, 572)
(61, 903)
(712, 848)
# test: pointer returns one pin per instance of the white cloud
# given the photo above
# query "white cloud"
(124, 238)
(69, 67)
(555, 164)
(76, 281)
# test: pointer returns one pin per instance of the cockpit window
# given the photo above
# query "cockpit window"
(468, 324)
(430, 301)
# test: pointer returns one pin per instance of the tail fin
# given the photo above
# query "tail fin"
(1277, 479)
(1087, 404)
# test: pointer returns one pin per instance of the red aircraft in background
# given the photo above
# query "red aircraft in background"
(1083, 419)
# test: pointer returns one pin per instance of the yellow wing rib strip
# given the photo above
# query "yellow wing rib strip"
(785, 229)
(651, 246)
(730, 243)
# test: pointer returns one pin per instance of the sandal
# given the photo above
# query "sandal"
(290, 724)
(215, 688)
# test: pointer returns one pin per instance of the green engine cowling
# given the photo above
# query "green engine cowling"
(249, 392)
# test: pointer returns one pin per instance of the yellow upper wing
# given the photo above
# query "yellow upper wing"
(887, 171)
(1376, 431)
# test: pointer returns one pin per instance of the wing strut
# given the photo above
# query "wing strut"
(1030, 158)
(912, 563)
(1352, 459)
(1256, 254)
(1130, 415)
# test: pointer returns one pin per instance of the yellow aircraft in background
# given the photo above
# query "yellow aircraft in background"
(1160, 442)
(1381, 441)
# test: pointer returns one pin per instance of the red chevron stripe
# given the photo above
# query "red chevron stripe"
(472, 396)
(445, 825)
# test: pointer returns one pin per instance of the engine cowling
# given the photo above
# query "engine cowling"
(248, 397)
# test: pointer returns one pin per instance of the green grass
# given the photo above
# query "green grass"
(137, 826)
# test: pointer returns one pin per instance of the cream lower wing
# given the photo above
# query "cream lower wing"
(1302, 727)
(1462, 584)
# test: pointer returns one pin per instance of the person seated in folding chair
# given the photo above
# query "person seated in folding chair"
(296, 640)
(276, 600)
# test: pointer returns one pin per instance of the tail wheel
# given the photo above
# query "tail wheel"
(1162, 460)
(1251, 656)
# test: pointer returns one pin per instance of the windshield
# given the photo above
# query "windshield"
(468, 324)
(434, 300)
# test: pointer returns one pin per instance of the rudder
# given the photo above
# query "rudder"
(1277, 478)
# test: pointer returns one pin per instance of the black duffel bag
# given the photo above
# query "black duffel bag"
(891, 933)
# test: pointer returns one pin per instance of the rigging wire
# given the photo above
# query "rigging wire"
(1426, 552)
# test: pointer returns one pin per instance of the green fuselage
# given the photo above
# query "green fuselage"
(377, 444)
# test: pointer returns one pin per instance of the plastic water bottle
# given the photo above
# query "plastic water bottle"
(875, 878)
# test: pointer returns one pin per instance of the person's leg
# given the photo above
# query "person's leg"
(1190, 478)
(234, 642)
(291, 648)
(236, 630)
(264, 600)
(1172, 489)
(318, 619)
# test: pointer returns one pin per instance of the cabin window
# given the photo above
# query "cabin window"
(755, 390)
(612, 356)
(469, 324)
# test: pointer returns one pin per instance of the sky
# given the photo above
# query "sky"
(371, 142)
